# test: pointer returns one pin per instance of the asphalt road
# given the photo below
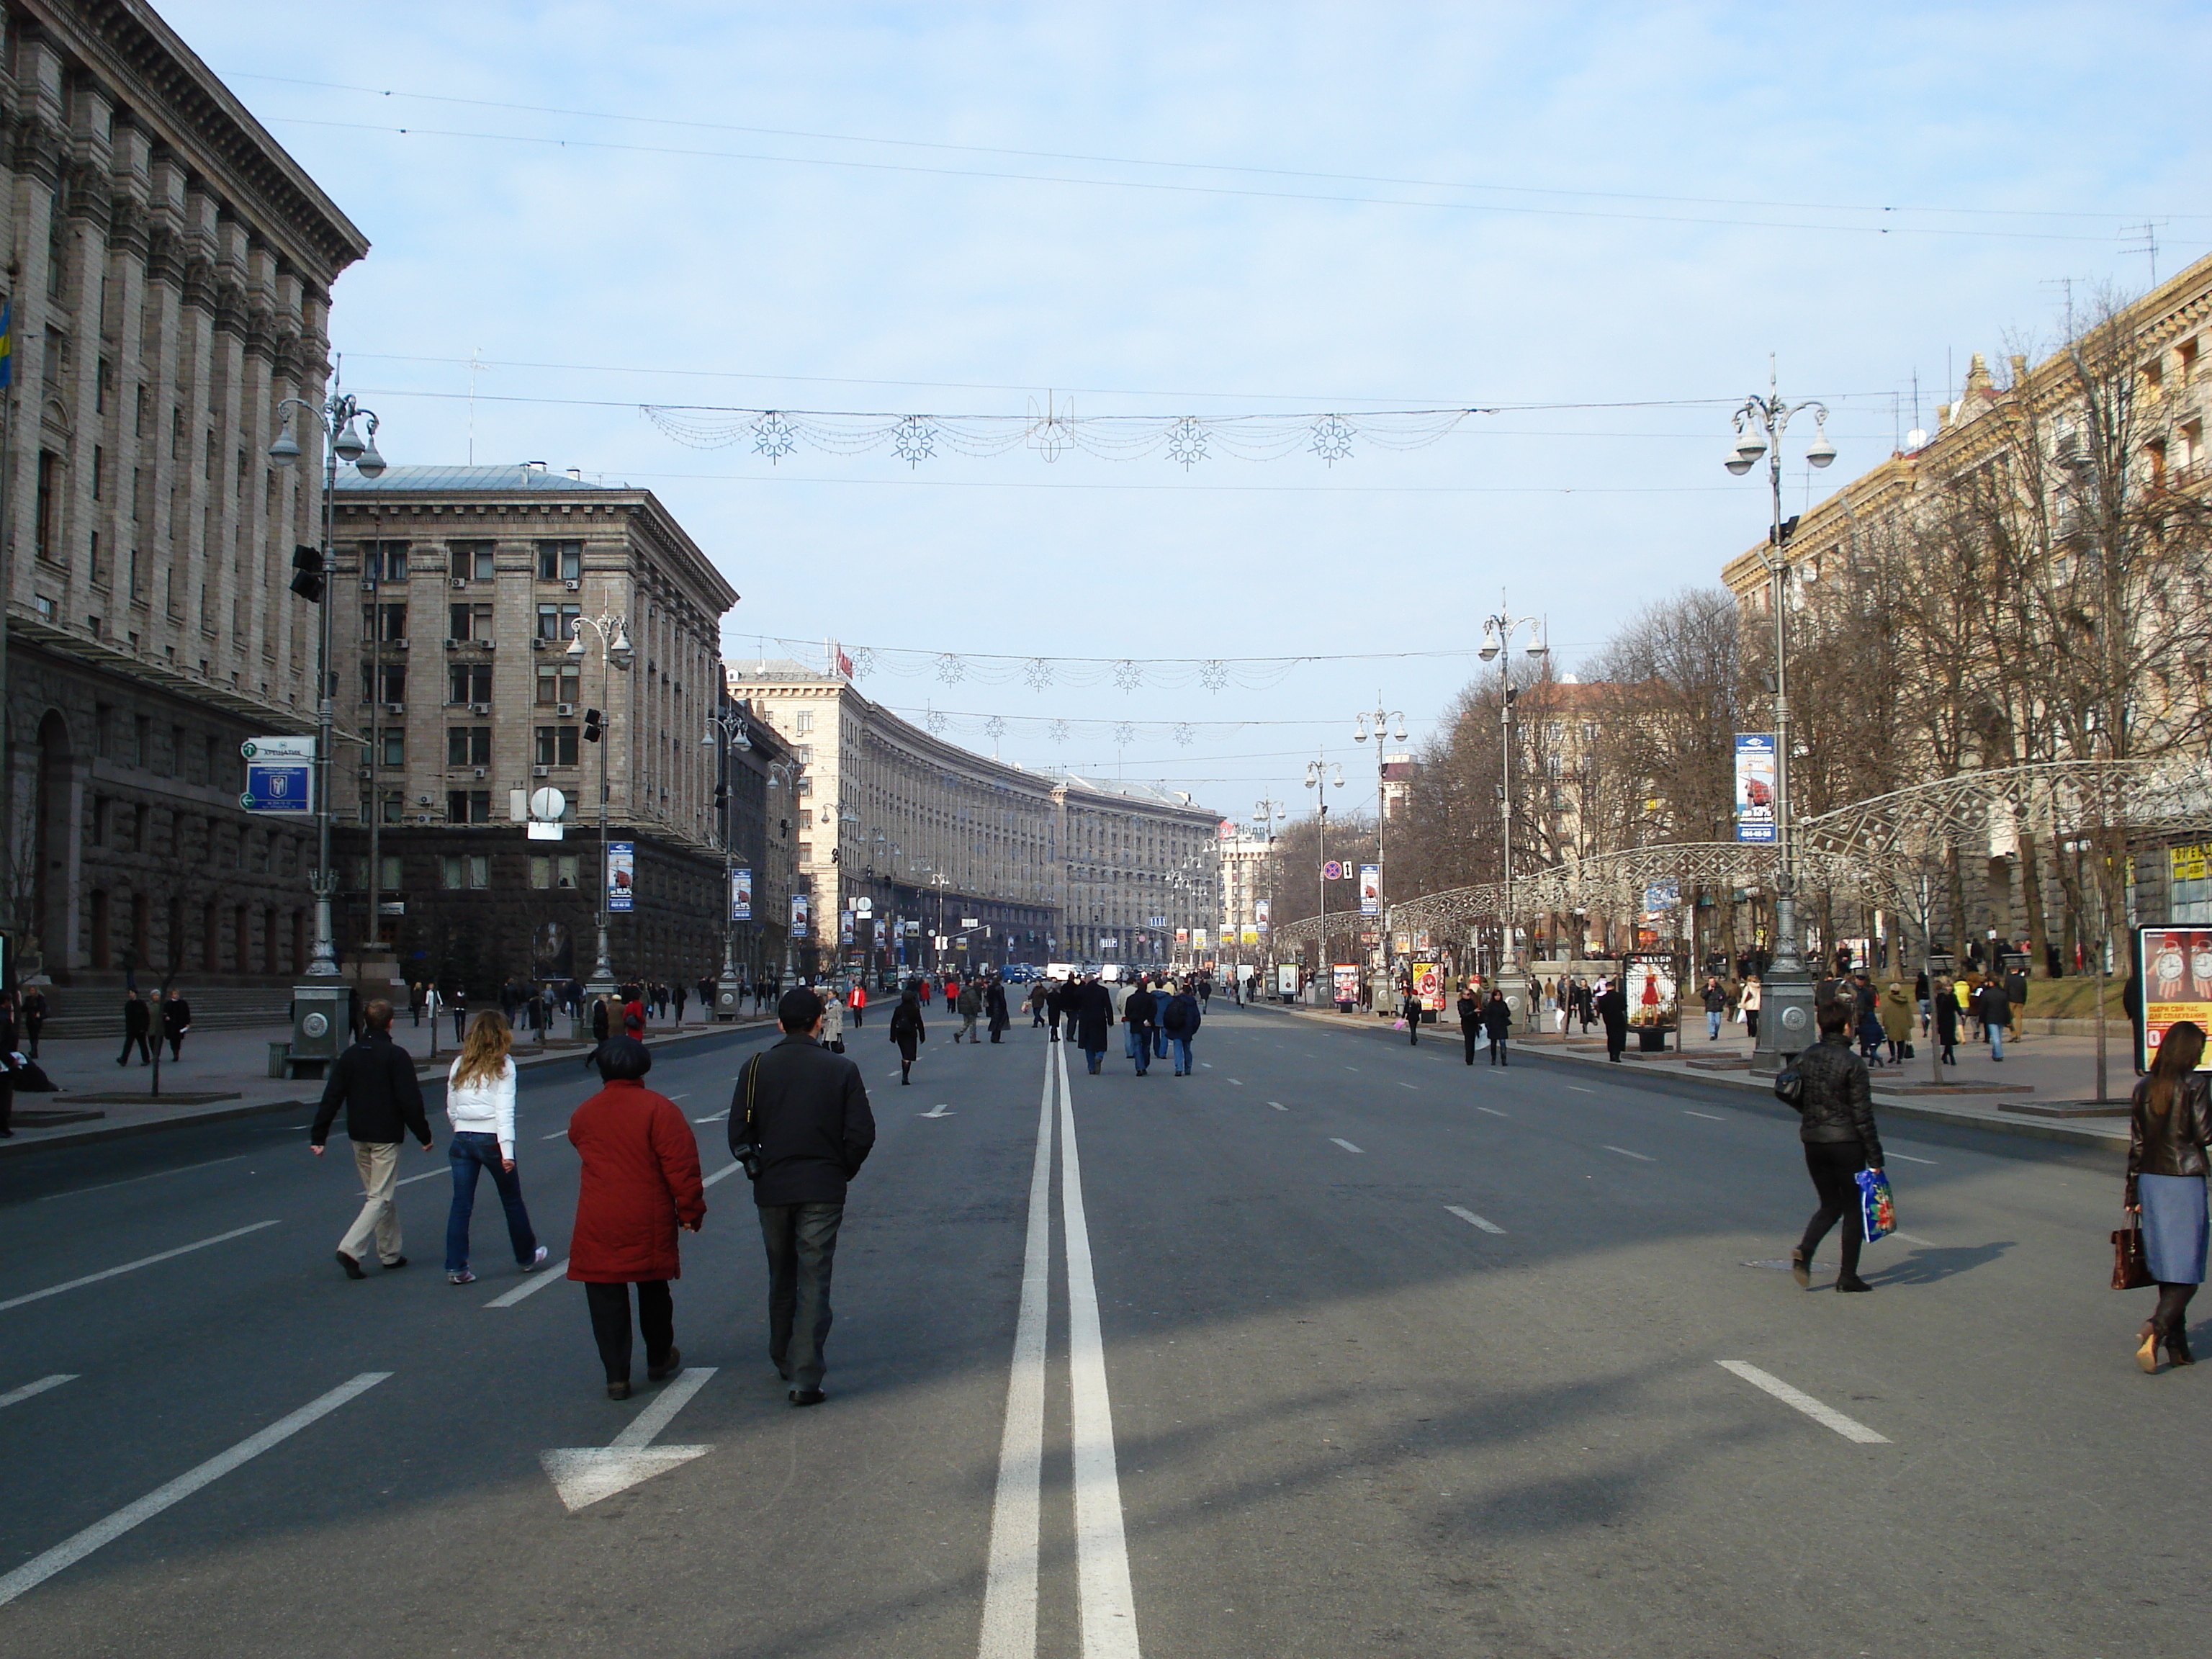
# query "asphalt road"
(1335, 1347)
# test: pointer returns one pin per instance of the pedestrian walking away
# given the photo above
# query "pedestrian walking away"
(480, 1106)
(374, 1082)
(1747, 1004)
(1037, 998)
(682, 997)
(32, 1013)
(1139, 1014)
(800, 1123)
(1897, 1021)
(458, 1004)
(1057, 1006)
(995, 1007)
(137, 1021)
(1835, 1108)
(1613, 1009)
(639, 1187)
(1163, 993)
(1945, 1004)
(2169, 1144)
(176, 1020)
(1410, 1011)
(907, 1031)
(1469, 1009)
(968, 1000)
(1497, 1024)
(1181, 1019)
(1093, 1015)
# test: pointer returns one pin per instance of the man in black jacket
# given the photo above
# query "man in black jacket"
(1613, 1009)
(374, 1081)
(800, 1124)
(138, 1020)
(1139, 1011)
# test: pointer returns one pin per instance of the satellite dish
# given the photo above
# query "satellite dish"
(548, 805)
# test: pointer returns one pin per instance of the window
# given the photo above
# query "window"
(472, 562)
(395, 806)
(557, 871)
(47, 517)
(556, 745)
(383, 682)
(468, 806)
(385, 561)
(560, 561)
(558, 621)
(388, 877)
(803, 722)
(391, 747)
(465, 870)
(468, 682)
(559, 683)
(384, 622)
(96, 832)
(142, 740)
(468, 745)
(469, 622)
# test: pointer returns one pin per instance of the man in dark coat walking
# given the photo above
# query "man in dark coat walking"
(1139, 1011)
(176, 1020)
(1613, 1009)
(137, 1021)
(995, 1007)
(800, 1123)
(1092, 1013)
(374, 1081)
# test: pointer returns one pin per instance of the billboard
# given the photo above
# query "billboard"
(741, 896)
(1371, 890)
(800, 903)
(1429, 985)
(621, 875)
(1346, 977)
(1754, 785)
(2173, 965)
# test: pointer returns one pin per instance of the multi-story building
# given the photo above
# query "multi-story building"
(1247, 885)
(759, 780)
(903, 839)
(168, 287)
(1142, 871)
(461, 592)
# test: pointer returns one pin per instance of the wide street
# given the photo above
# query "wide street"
(1335, 1348)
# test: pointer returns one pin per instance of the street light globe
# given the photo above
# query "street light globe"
(286, 450)
(576, 646)
(368, 463)
(348, 444)
(1750, 445)
(1737, 464)
(1822, 451)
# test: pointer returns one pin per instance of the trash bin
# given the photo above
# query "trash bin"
(279, 1053)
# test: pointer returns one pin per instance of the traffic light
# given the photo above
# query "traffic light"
(592, 726)
(308, 574)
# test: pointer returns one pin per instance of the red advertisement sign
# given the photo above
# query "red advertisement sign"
(2174, 966)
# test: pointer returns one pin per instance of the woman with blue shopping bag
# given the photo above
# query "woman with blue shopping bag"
(1834, 1099)
(2169, 1130)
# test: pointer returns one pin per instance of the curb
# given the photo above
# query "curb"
(1891, 1106)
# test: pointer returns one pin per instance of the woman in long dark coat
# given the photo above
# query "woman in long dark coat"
(907, 1032)
(641, 1184)
(994, 1006)
(1094, 1017)
(1946, 1021)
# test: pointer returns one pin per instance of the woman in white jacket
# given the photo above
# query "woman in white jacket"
(480, 1103)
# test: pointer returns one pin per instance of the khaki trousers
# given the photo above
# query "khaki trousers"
(378, 1163)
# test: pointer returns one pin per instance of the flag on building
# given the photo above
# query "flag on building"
(7, 343)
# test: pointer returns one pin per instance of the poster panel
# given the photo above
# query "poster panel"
(844, 928)
(741, 896)
(1371, 890)
(1346, 977)
(1651, 980)
(1754, 785)
(2174, 968)
(621, 875)
(801, 904)
(1260, 909)
(1429, 985)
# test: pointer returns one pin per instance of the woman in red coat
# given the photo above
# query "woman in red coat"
(641, 1182)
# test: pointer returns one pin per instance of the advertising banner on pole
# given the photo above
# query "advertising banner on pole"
(844, 928)
(800, 903)
(2173, 965)
(1260, 908)
(1371, 890)
(1754, 785)
(621, 875)
(741, 896)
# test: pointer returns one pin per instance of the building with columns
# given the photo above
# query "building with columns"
(1143, 875)
(169, 285)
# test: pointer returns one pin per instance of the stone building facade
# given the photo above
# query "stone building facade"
(1143, 870)
(763, 836)
(459, 591)
(169, 285)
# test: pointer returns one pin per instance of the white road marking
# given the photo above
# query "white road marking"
(1352, 1069)
(1474, 1220)
(1238, 1081)
(1207, 1064)
(530, 1286)
(29, 1390)
(1105, 1599)
(182, 1170)
(1347, 1144)
(132, 1267)
(584, 1474)
(939, 1110)
(1909, 1157)
(1579, 1089)
(712, 1117)
(1409, 1086)
(722, 1174)
(39, 1568)
(672, 1399)
(1493, 1111)
(1915, 1238)
(1009, 1589)
(557, 1136)
(1849, 1428)
(686, 1095)
(1278, 1106)
(1641, 1157)
(1709, 1117)
(410, 1181)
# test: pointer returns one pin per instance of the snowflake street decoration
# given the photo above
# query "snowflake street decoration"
(1037, 672)
(773, 436)
(1057, 731)
(1332, 439)
(864, 659)
(1213, 676)
(995, 728)
(916, 440)
(1187, 442)
(951, 669)
(1127, 675)
(1047, 432)
(1185, 735)
(935, 722)
(1125, 734)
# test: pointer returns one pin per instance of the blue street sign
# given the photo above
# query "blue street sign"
(280, 784)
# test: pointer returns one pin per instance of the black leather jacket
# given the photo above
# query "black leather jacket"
(2172, 1142)
(1838, 1104)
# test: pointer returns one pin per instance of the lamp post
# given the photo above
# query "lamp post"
(1317, 780)
(612, 633)
(1786, 989)
(1266, 815)
(726, 729)
(1394, 718)
(1497, 632)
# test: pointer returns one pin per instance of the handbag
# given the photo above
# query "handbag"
(747, 1152)
(1790, 1087)
(2131, 1267)
(1877, 1208)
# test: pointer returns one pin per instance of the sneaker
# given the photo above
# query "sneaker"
(535, 1261)
(464, 1277)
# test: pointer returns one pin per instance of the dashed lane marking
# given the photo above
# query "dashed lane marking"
(431, 1175)
(1709, 1117)
(722, 1174)
(131, 1266)
(1347, 1144)
(1579, 1089)
(1641, 1157)
(32, 1390)
(1278, 1106)
(1238, 1081)
(1828, 1416)
(712, 1117)
(103, 1185)
(530, 1286)
(1909, 1157)
(1474, 1220)
(1493, 1111)
(1909, 1238)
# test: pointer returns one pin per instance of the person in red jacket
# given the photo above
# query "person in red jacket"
(640, 1183)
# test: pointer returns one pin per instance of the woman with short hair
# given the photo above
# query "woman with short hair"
(2169, 1130)
(480, 1105)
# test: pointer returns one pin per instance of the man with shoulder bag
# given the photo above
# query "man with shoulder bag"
(799, 1124)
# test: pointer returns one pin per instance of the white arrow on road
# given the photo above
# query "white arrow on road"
(585, 1474)
(939, 1110)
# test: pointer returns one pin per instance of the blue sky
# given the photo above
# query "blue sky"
(1618, 206)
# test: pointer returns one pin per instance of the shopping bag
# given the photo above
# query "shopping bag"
(2130, 1268)
(1397, 1024)
(1877, 1209)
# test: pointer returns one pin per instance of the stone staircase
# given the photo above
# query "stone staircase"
(89, 1011)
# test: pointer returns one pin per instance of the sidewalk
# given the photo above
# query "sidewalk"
(225, 1075)
(2037, 1074)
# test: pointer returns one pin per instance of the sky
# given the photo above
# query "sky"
(1590, 225)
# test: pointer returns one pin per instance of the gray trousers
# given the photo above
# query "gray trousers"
(802, 1244)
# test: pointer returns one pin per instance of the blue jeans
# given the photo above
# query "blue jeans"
(1996, 1039)
(1140, 1048)
(471, 1155)
(1181, 1046)
(1712, 1024)
(1160, 1042)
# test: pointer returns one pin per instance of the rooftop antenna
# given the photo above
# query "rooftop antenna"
(2066, 284)
(477, 366)
(2147, 232)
